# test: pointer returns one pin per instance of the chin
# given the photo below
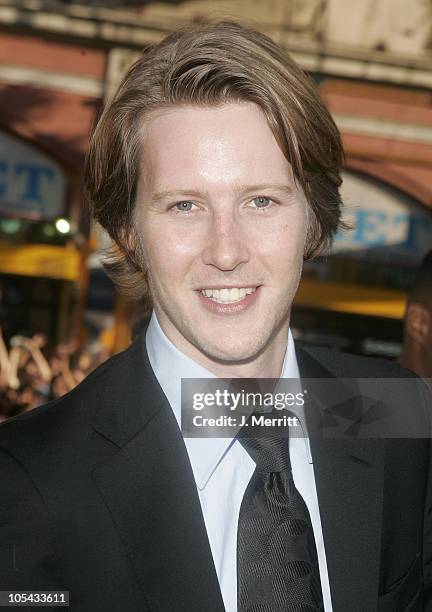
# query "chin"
(228, 351)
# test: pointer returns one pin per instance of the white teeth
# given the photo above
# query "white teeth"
(228, 296)
(224, 296)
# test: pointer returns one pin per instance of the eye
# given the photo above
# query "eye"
(184, 206)
(262, 202)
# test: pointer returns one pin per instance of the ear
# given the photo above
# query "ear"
(418, 322)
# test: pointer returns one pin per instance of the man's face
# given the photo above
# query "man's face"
(223, 229)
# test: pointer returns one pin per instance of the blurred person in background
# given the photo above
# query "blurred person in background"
(416, 352)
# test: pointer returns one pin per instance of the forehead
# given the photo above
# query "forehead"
(225, 144)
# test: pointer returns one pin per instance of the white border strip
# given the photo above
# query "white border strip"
(384, 128)
(47, 79)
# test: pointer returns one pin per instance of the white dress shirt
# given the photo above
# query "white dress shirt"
(222, 468)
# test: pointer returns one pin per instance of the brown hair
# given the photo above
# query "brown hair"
(211, 64)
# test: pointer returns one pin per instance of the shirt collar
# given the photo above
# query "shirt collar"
(170, 365)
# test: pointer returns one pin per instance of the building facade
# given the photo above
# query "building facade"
(371, 60)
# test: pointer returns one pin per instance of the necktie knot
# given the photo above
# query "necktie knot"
(270, 453)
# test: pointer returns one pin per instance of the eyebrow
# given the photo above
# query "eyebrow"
(242, 190)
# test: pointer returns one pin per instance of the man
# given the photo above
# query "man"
(416, 352)
(215, 169)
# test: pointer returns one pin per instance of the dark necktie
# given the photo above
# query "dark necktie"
(277, 563)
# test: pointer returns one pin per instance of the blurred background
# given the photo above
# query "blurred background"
(61, 60)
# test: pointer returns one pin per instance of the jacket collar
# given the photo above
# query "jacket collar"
(130, 397)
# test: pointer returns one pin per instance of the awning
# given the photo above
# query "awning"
(61, 262)
(353, 299)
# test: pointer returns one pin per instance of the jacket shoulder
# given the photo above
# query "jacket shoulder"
(347, 365)
(73, 410)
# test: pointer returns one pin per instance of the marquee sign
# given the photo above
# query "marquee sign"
(32, 185)
(388, 225)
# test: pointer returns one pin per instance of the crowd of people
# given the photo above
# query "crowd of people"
(31, 374)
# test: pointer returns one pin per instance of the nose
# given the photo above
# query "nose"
(226, 244)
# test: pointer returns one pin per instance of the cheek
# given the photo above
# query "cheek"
(183, 244)
(168, 250)
(285, 246)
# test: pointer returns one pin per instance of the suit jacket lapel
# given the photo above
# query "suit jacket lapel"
(349, 481)
(149, 489)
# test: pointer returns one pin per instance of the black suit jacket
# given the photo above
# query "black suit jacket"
(97, 497)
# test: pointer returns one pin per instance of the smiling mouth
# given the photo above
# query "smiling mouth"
(227, 295)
